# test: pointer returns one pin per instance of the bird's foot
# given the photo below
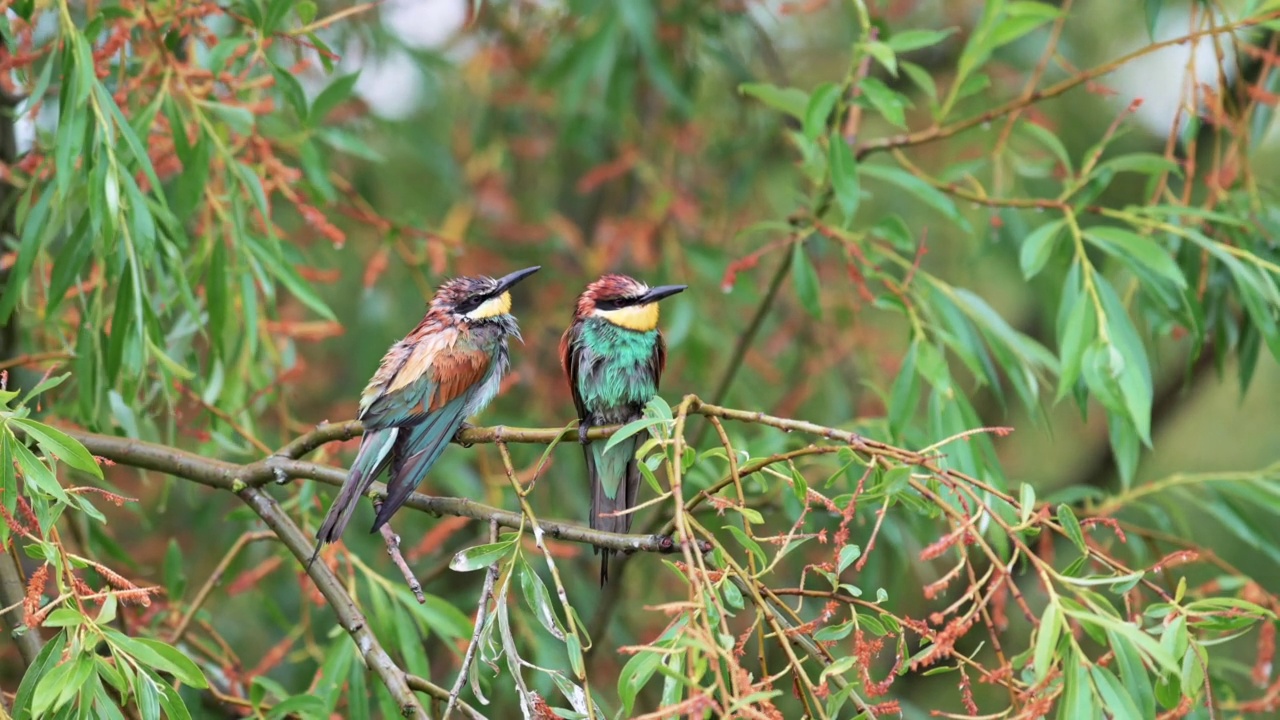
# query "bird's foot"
(584, 427)
(457, 437)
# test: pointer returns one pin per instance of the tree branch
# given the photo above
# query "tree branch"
(12, 592)
(939, 132)
(12, 587)
(224, 475)
(349, 616)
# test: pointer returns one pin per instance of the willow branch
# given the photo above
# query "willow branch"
(12, 592)
(392, 540)
(940, 132)
(441, 694)
(349, 616)
(223, 475)
(482, 608)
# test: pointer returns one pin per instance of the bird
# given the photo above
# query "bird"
(613, 356)
(444, 371)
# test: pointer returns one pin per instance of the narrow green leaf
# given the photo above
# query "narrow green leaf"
(634, 676)
(1037, 248)
(175, 578)
(1133, 674)
(1046, 640)
(923, 80)
(791, 101)
(35, 473)
(1027, 503)
(817, 113)
(889, 103)
(307, 706)
(1138, 250)
(747, 542)
(64, 617)
(53, 441)
(917, 189)
(908, 40)
(805, 279)
(45, 663)
(848, 554)
(1151, 8)
(632, 428)
(884, 54)
(480, 557)
(170, 701)
(158, 656)
(1071, 526)
(844, 176)
(1115, 698)
(332, 96)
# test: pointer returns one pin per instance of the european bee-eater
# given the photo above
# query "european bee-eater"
(614, 355)
(444, 371)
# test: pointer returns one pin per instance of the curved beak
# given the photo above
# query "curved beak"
(506, 281)
(662, 291)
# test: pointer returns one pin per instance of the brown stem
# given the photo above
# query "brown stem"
(939, 132)
(490, 576)
(349, 616)
(12, 592)
(224, 475)
(33, 358)
(435, 691)
(392, 540)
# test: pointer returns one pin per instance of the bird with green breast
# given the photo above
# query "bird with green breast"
(445, 370)
(614, 355)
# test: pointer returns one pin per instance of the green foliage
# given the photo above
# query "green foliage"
(926, 235)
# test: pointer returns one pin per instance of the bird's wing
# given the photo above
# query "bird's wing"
(570, 353)
(417, 380)
(658, 362)
(440, 397)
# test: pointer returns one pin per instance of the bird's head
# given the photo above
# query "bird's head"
(477, 299)
(624, 301)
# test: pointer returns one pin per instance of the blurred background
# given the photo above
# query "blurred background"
(598, 137)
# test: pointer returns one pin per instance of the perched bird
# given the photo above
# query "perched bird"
(444, 371)
(613, 356)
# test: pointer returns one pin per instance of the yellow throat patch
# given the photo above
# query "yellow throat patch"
(640, 318)
(500, 305)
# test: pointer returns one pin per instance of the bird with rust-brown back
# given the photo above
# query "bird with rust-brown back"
(445, 370)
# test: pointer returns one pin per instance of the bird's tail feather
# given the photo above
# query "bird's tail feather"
(373, 456)
(419, 448)
(618, 472)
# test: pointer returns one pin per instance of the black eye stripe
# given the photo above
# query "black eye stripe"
(616, 303)
(470, 304)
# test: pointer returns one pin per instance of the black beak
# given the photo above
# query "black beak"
(660, 292)
(506, 281)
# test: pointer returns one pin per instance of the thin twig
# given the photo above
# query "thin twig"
(940, 132)
(435, 691)
(748, 336)
(33, 358)
(393, 549)
(490, 576)
(349, 615)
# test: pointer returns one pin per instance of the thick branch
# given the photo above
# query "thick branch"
(12, 591)
(12, 588)
(349, 616)
(232, 477)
